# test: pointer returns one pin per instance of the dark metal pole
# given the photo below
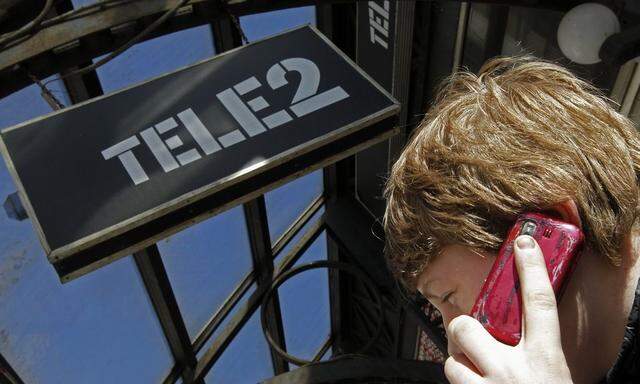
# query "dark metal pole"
(255, 213)
(323, 350)
(79, 88)
(331, 20)
(158, 287)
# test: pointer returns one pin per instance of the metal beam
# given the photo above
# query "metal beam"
(323, 349)
(173, 376)
(297, 225)
(403, 47)
(7, 373)
(461, 33)
(157, 283)
(255, 213)
(301, 246)
(67, 40)
(337, 21)
(83, 87)
(336, 301)
(225, 34)
(79, 88)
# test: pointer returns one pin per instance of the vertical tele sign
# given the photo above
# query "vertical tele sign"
(93, 174)
(375, 55)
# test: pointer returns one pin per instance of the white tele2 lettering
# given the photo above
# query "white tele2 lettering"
(379, 23)
(306, 100)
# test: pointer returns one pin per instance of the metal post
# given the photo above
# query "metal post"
(225, 35)
(461, 33)
(255, 213)
(158, 287)
(79, 88)
(338, 22)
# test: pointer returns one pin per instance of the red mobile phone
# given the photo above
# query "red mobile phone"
(499, 305)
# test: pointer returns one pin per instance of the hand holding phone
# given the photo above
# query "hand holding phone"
(499, 305)
(538, 358)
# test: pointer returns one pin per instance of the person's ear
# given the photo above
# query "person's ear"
(568, 211)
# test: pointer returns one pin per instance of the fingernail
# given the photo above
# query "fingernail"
(525, 242)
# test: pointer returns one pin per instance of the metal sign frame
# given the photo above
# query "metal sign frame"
(106, 245)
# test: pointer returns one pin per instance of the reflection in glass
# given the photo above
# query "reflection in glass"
(495, 30)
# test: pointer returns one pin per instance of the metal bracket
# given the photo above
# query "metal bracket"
(14, 208)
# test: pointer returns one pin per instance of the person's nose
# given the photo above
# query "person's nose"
(447, 316)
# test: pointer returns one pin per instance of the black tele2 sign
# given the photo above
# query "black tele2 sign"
(93, 175)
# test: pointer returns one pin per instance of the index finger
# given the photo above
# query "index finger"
(540, 311)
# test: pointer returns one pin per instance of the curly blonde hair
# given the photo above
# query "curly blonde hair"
(522, 135)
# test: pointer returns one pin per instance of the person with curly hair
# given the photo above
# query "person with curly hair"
(524, 135)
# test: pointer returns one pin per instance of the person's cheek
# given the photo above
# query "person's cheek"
(467, 300)
(468, 292)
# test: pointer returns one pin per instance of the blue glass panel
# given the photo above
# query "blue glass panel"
(82, 3)
(157, 56)
(204, 264)
(286, 203)
(304, 300)
(246, 360)
(265, 24)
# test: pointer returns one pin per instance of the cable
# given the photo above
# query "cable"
(127, 45)
(234, 20)
(341, 266)
(236, 23)
(120, 50)
(26, 29)
(98, 6)
(46, 94)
